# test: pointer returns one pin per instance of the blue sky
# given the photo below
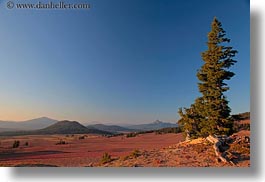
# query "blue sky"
(130, 61)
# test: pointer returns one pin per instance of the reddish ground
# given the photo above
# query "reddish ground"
(195, 153)
(43, 149)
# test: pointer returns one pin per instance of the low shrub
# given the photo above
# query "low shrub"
(131, 135)
(106, 158)
(136, 153)
(16, 144)
(61, 142)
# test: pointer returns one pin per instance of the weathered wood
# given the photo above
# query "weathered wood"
(217, 143)
(212, 139)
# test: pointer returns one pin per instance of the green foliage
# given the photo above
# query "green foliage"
(168, 130)
(61, 142)
(131, 135)
(191, 119)
(16, 144)
(134, 154)
(238, 126)
(210, 114)
(144, 132)
(106, 158)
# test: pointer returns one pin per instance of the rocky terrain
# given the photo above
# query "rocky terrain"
(194, 153)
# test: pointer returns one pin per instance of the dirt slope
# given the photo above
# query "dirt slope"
(194, 153)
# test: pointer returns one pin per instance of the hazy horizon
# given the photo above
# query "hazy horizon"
(121, 61)
(90, 122)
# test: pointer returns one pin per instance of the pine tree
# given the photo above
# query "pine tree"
(210, 114)
(191, 118)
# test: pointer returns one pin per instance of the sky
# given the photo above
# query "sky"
(121, 61)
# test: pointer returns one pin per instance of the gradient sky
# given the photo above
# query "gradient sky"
(122, 61)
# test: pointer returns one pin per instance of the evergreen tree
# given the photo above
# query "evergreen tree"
(191, 118)
(210, 114)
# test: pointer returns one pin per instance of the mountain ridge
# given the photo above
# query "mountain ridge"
(111, 128)
(152, 126)
(43, 122)
(32, 124)
(61, 127)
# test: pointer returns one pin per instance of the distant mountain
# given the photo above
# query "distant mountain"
(38, 123)
(70, 127)
(156, 125)
(111, 128)
(64, 127)
(7, 129)
(46, 125)
(152, 126)
(32, 124)
(61, 127)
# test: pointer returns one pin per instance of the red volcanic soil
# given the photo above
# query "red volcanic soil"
(43, 149)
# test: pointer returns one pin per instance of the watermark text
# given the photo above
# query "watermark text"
(62, 5)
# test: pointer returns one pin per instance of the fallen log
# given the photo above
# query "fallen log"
(217, 144)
